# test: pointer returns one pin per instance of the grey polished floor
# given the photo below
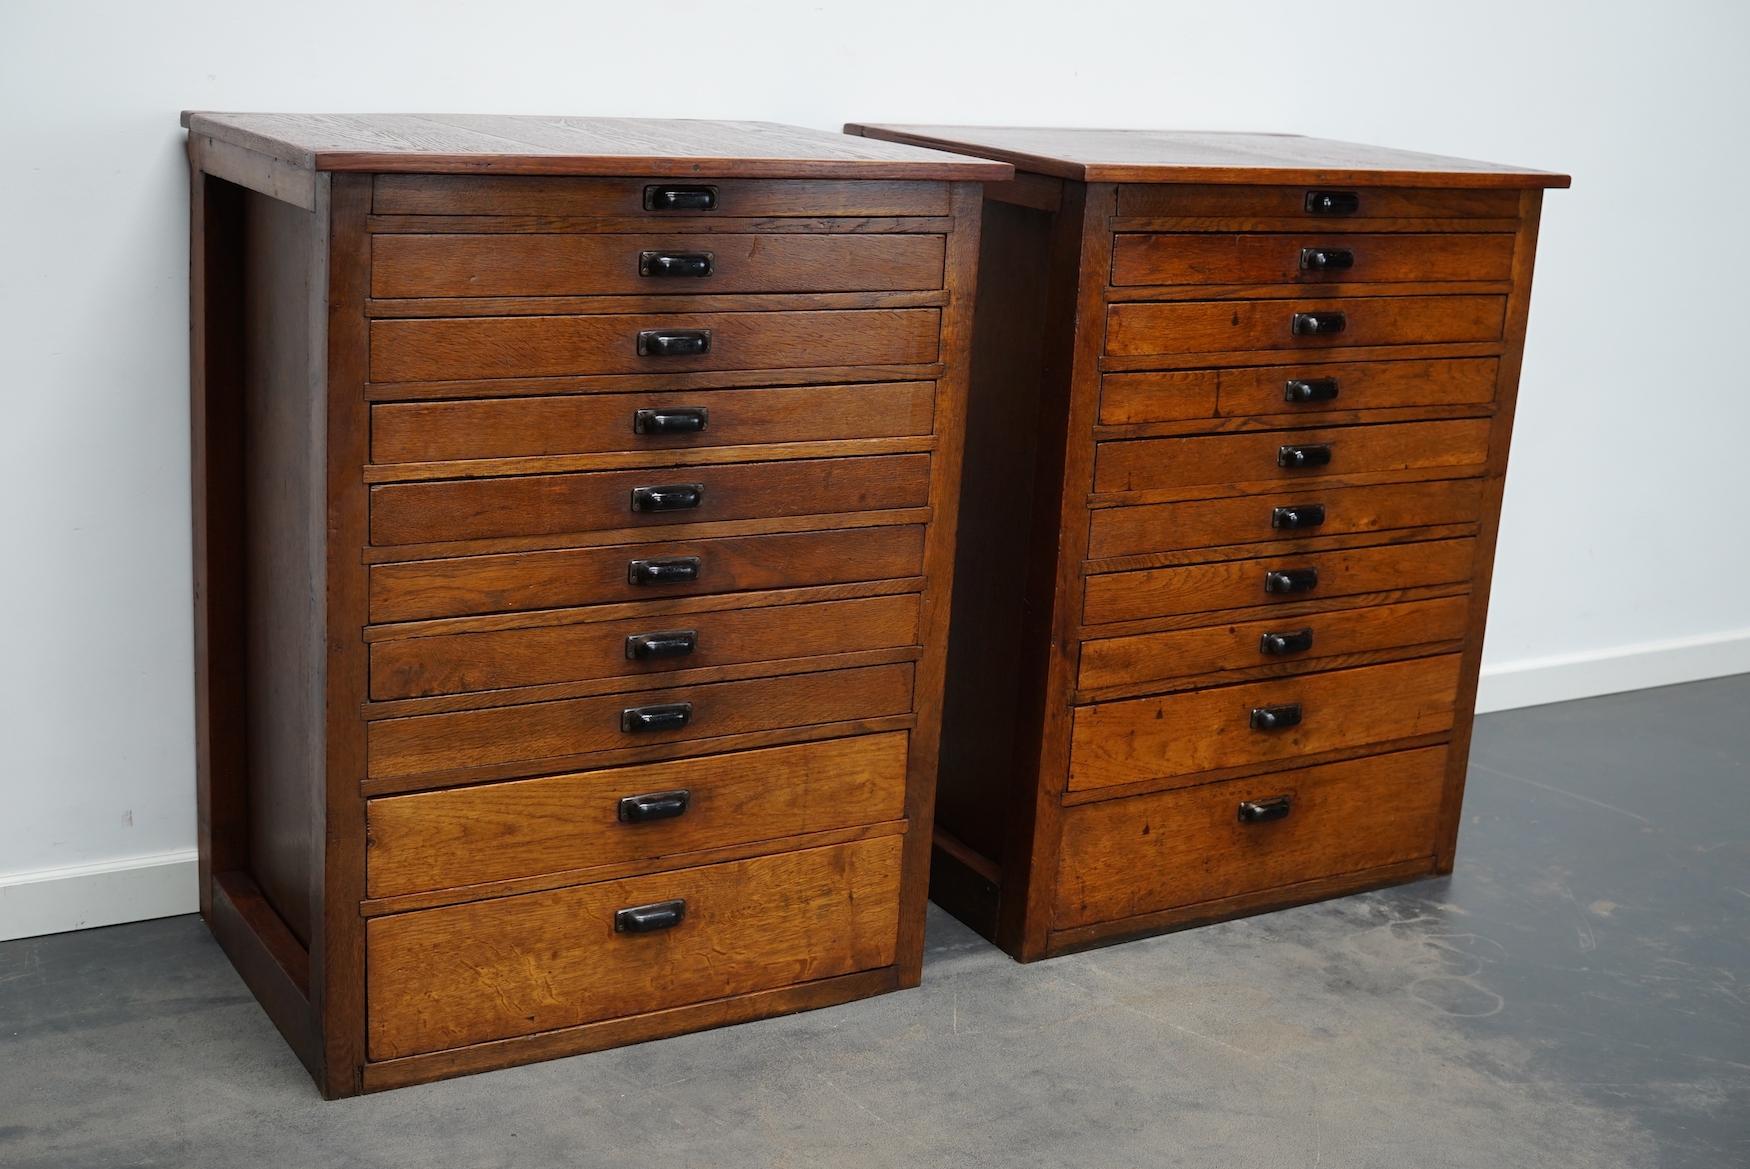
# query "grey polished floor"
(1576, 994)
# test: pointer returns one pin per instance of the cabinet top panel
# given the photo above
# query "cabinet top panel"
(539, 145)
(1182, 156)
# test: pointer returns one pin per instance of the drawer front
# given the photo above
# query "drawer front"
(503, 831)
(542, 505)
(1241, 584)
(461, 586)
(1141, 529)
(1168, 849)
(462, 348)
(1160, 464)
(585, 265)
(649, 198)
(528, 738)
(1206, 200)
(1179, 736)
(1191, 258)
(456, 663)
(465, 974)
(1197, 326)
(1302, 643)
(581, 424)
(1128, 399)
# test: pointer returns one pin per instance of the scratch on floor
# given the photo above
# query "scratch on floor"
(1561, 791)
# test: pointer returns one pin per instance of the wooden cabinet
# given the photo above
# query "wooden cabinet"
(574, 520)
(1238, 427)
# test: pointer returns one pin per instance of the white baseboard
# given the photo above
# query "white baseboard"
(137, 888)
(1537, 681)
(76, 897)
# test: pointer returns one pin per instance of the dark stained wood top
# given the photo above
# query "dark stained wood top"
(530, 145)
(1180, 156)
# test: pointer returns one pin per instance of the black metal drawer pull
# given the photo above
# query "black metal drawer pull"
(1291, 580)
(1311, 454)
(1264, 811)
(670, 420)
(674, 570)
(1297, 516)
(1315, 389)
(1278, 644)
(673, 342)
(676, 643)
(665, 264)
(1332, 202)
(670, 497)
(1275, 718)
(668, 716)
(647, 919)
(654, 806)
(1312, 324)
(1326, 259)
(666, 198)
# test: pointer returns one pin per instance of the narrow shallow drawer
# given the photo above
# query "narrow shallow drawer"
(1141, 529)
(1311, 388)
(1180, 736)
(1201, 326)
(1313, 204)
(655, 199)
(541, 505)
(656, 265)
(1309, 258)
(622, 815)
(529, 738)
(1159, 851)
(1318, 641)
(1164, 464)
(465, 348)
(464, 585)
(456, 663)
(581, 424)
(440, 978)
(1275, 580)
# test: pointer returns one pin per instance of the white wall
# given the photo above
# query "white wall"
(1623, 559)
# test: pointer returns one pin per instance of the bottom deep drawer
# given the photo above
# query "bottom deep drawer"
(442, 978)
(1176, 848)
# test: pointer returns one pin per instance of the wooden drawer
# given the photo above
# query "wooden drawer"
(455, 663)
(576, 424)
(1189, 258)
(532, 737)
(583, 265)
(567, 577)
(1330, 639)
(462, 348)
(1201, 326)
(466, 974)
(541, 505)
(1163, 464)
(1241, 584)
(1141, 529)
(1211, 201)
(1163, 850)
(543, 195)
(1128, 399)
(1180, 736)
(504, 831)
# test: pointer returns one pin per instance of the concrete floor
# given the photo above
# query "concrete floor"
(1576, 994)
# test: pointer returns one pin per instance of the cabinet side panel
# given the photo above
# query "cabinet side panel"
(985, 646)
(282, 558)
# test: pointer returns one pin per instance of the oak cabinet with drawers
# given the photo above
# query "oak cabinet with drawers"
(574, 518)
(1238, 428)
